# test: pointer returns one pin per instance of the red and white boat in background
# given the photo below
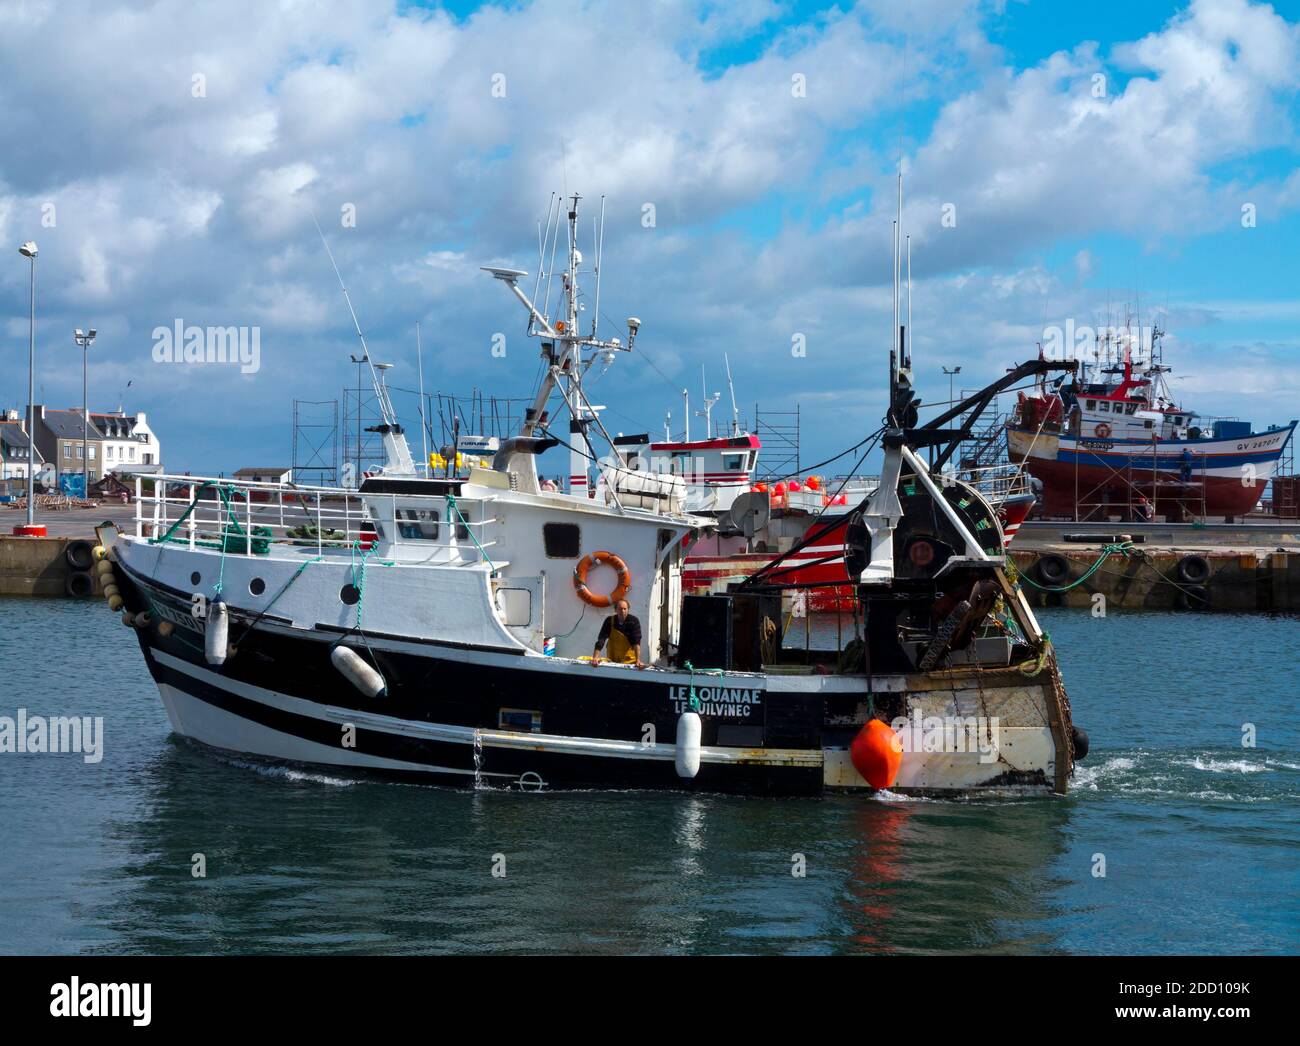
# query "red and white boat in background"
(1118, 446)
(758, 521)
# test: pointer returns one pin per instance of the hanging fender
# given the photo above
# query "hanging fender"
(595, 559)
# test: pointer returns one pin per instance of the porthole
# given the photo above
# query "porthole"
(257, 586)
(195, 578)
(350, 595)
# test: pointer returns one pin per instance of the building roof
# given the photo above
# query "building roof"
(274, 470)
(12, 435)
(67, 424)
(117, 426)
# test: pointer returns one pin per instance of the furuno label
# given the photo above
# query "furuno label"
(726, 702)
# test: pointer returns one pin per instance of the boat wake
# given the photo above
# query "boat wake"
(1189, 774)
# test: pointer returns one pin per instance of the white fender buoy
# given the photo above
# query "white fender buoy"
(688, 744)
(216, 632)
(143, 619)
(358, 672)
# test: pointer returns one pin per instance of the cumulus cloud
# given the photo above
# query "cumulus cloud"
(182, 146)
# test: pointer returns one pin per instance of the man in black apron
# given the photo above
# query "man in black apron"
(623, 634)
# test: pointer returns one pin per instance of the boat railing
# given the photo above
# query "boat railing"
(997, 482)
(246, 517)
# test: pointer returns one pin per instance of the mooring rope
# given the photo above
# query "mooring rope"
(1119, 548)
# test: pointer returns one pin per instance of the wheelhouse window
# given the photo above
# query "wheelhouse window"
(1130, 408)
(417, 524)
(733, 462)
(561, 540)
(1092, 404)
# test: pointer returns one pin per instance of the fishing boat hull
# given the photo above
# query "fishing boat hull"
(474, 716)
(1225, 476)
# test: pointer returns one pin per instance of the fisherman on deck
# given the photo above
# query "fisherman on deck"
(623, 634)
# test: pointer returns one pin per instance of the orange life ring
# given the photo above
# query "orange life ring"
(1102, 430)
(580, 579)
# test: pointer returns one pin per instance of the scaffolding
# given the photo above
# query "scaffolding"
(779, 432)
(316, 442)
(1137, 493)
(363, 451)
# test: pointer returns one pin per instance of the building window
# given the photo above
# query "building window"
(67, 450)
(562, 540)
(109, 450)
(92, 452)
(80, 448)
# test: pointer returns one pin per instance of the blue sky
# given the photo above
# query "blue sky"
(773, 209)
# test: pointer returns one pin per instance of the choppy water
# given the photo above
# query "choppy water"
(1200, 836)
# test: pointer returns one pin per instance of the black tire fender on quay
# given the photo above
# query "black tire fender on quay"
(1195, 570)
(1193, 597)
(79, 554)
(1053, 569)
(79, 583)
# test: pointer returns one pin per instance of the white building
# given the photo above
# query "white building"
(130, 445)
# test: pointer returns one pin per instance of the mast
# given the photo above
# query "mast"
(397, 453)
(562, 342)
(731, 387)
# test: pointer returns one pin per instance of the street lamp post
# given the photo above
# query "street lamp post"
(28, 250)
(84, 341)
(950, 373)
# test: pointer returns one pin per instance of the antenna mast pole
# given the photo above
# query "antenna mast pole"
(731, 386)
(424, 428)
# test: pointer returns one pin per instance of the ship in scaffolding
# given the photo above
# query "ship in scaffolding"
(1113, 443)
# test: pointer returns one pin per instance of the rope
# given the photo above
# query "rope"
(694, 701)
(451, 504)
(1038, 662)
(575, 627)
(1119, 548)
(285, 588)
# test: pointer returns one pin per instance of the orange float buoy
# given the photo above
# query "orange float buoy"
(877, 753)
(813, 483)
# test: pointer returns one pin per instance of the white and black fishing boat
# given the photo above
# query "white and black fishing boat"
(440, 626)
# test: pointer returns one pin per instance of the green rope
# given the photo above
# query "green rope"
(1039, 661)
(1120, 548)
(451, 504)
(285, 588)
(694, 701)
